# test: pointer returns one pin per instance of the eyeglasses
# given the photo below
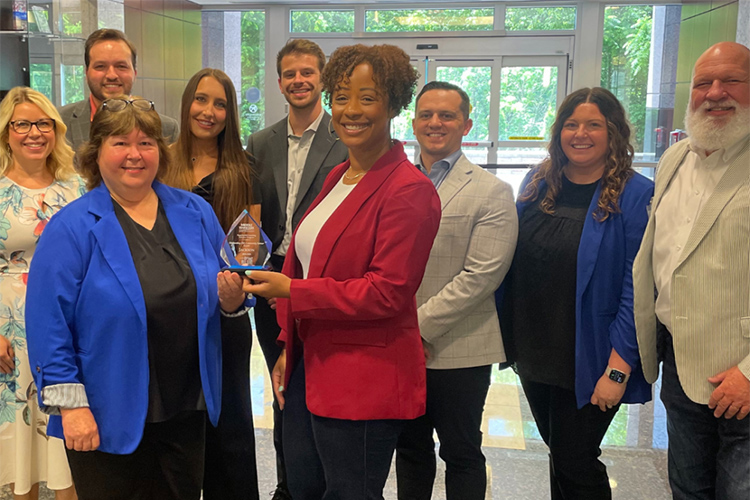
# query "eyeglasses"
(120, 104)
(24, 126)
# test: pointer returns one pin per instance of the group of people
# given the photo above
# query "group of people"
(391, 290)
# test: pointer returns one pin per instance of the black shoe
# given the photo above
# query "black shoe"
(281, 494)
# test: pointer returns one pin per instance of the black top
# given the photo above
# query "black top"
(205, 188)
(543, 280)
(170, 294)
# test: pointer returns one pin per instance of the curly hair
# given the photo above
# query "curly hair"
(108, 123)
(60, 160)
(618, 163)
(391, 69)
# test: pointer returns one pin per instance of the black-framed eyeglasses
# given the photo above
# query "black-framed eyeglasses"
(120, 104)
(24, 126)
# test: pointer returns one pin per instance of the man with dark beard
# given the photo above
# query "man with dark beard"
(110, 72)
(696, 256)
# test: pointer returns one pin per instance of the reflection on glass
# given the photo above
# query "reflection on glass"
(72, 83)
(528, 99)
(253, 71)
(429, 20)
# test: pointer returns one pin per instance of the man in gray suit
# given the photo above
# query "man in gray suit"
(696, 255)
(293, 158)
(457, 316)
(110, 72)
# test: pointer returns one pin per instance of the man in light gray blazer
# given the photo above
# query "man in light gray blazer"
(457, 316)
(110, 72)
(696, 255)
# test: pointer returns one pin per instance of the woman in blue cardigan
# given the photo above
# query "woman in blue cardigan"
(124, 324)
(582, 214)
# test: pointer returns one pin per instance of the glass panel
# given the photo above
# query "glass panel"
(476, 82)
(73, 81)
(540, 18)
(322, 21)
(253, 71)
(528, 100)
(41, 79)
(513, 176)
(429, 20)
(625, 67)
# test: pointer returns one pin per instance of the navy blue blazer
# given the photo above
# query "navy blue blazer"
(86, 316)
(604, 289)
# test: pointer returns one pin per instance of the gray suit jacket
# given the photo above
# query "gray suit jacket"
(77, 117)
(269, 147)
(710, 286)
(472, 252)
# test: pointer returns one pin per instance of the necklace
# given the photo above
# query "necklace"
(351, 178)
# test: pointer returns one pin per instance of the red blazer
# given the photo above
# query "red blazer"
(356, 312)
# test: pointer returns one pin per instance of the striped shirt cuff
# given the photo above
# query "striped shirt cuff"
(59, 396)
(744, 367)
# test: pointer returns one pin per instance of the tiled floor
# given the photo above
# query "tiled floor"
(634, 448)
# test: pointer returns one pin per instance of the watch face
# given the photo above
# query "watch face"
(617, 376)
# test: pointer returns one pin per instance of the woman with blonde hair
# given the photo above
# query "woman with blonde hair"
(36, 180)
(208, 159)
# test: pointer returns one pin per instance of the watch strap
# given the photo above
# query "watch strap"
(617, 375)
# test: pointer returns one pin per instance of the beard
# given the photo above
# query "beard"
(712, 134)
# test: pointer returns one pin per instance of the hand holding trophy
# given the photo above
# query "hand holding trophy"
(246, 247)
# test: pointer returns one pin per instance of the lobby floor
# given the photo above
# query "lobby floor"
(634, 448)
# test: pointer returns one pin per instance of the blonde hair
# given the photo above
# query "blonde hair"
(60, 160)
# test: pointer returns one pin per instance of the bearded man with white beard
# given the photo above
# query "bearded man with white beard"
(691, 281)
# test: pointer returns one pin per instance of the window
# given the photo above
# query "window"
(540, 18)
(322, 21)
(429, 20)
(253, 71)
(528, 97)
(625, 63)
(73, 82)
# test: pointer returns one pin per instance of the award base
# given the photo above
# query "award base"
(241, 269)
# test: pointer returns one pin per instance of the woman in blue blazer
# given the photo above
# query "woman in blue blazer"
(582, 214)
(123, 317)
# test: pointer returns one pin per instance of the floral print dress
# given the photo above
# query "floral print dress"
(27, 455)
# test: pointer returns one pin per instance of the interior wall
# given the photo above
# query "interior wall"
(167, 36)
(703, 24)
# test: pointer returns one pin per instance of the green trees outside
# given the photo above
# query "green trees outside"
(540, 18)
(528, 98)
(625, 61)
(325, 21)
(41, 79)
(253, 71)
(73, 81)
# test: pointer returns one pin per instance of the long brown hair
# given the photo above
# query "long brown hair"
(232, 179)
(617, 169)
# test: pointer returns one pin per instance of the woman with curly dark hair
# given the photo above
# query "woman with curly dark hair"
(569, 300)
(346, 295)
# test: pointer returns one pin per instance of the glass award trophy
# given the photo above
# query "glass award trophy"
(246, 246)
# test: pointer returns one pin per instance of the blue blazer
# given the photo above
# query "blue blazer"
(604, 289)
(86, 316)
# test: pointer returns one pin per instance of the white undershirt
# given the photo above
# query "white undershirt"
(691, 187)
(307, 231)
(298, 149)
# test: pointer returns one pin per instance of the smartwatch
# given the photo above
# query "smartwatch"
(616, 375)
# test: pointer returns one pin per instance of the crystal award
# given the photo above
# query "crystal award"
(246, 246)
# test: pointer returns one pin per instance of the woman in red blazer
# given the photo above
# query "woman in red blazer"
(346, 302)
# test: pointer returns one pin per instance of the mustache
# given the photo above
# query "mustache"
(708, 104)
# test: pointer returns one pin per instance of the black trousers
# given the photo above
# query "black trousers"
(267, 329)
(334, 459)
(573, 437)
(455, 403)
(166, 465)
(230, 468)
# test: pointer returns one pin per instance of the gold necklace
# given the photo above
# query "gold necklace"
(353, 176)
